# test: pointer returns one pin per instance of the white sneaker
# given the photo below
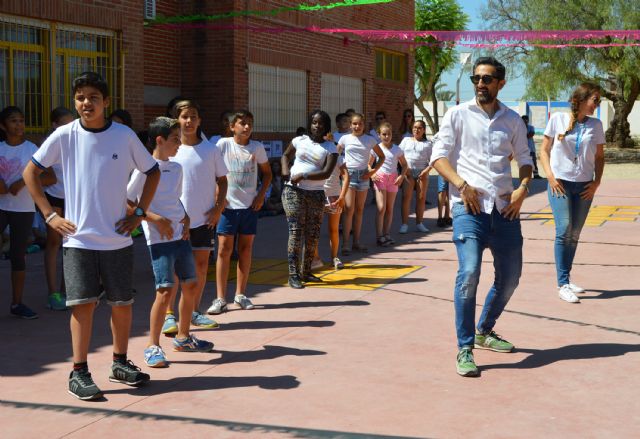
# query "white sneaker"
(421, 228)
(567, 295)
(217, 307)
(243, 302)
(576, 289)
(404, 229)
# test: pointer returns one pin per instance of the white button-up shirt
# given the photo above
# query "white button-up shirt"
(478, 148)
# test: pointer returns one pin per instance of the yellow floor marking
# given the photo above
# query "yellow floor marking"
(598, 215)
(357, 276)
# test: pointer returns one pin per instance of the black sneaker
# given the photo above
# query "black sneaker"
(127, 373)
(295, 282)
(311, 278)
(81, 385)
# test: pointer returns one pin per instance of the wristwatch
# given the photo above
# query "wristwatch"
(525, 186)
(139, 212)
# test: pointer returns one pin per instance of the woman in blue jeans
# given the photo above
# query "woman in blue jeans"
(572, 156)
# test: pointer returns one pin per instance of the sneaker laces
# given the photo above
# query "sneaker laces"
(466, 355)
(84, 378)
(130, 366)
(496, 336)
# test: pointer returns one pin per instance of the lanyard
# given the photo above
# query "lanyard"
(581, 129)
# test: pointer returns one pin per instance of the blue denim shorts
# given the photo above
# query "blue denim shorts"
(443, 185)
(355, 179)
(242, 221)
(169, 258)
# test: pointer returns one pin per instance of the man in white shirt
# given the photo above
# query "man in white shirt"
(473, 150)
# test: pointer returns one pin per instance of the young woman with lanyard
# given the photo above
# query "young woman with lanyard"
(572, 156)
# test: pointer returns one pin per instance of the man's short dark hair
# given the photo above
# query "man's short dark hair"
(501, 72)
(160, 126)
(241, 115)
(91, 79)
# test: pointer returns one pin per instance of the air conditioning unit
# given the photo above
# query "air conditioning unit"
(149, 9)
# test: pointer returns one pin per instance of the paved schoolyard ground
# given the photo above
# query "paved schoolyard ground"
(343, 362)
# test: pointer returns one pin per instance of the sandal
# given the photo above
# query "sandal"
(382, 241)
(390, 240)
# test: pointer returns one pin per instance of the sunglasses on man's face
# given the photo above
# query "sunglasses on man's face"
(486, 79)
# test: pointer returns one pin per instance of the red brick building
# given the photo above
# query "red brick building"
(279, 77)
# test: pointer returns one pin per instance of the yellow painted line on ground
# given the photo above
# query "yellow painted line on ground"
(357, 276)
(598, 215)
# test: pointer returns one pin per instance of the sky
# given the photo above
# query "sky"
(515, 87)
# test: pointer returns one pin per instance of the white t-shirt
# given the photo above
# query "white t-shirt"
(13, 160)
(242, 162)
(337, 135)
(566, 164)
(57, 189)
(357, 150)
(416, 152)
(166, 201)
(310, 157)
(202, 165)
(96, 165)
(407, 134)
(332, 187)
(391, 156)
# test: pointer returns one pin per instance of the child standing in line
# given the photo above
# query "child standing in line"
(56, 300)
(16, 205)
(386, 181)
(166, 227)
(336, 194)
(97, 158)
(243, 157)
(357, 147)
(204, 188)
(343, 126)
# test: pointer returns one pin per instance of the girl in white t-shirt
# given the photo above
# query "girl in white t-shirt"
(417, 153)
(56, 299)
(357, 149)
(386, 181)
(16, 205)
(406, 126)
(572, 156)
(303, 197)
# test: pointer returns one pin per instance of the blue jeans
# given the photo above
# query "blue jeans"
(569, 213)
(471, 235)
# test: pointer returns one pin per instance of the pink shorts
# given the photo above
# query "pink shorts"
(386, 182)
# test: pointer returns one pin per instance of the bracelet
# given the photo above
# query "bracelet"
(51, 216)
(462, 186)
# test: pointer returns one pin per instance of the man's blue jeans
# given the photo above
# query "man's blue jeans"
(471, 235)
(569, 213)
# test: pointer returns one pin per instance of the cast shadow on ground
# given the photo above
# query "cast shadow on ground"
(267, 352)
(327, 303)
(545, 357)
(610, 294)
(266, 324)
(364, 281)
(229, 426)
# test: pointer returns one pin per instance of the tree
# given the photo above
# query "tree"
(444, 95)
(433, 59)
(551, 71)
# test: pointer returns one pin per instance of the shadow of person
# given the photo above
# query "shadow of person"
(609, 294)
(266, 353)
(273, 324)
(545, 357)
(313, 304)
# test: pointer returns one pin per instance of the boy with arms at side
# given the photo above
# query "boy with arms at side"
(166, 227)
(243, 157)
(97, 158)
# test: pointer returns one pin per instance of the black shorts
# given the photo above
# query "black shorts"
(202, 238)
(55, 201)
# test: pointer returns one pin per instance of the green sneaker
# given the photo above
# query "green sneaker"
(57, 302)
(465, 366)
(493, 342)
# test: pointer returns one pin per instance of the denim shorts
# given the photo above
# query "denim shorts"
(415, 173)
(355, 179)
(443, 185)
(242, 221)
(169, 258)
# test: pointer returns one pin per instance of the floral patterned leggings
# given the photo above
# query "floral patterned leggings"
(304, 210)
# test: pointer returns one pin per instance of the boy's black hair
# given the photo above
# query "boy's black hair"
(501, 71)
(525, 118)
(91, 79)
(326, 120)
(172, 103)
(58, 113)
(349, 110)
(341, 116)
(301, 131)
(123, 115)
(381, 113)
(8, 111)
(241, 115)
(160, 126)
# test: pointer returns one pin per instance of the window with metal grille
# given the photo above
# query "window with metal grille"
(391, 65)
(339, 93)
(38, 61)
(277, 98)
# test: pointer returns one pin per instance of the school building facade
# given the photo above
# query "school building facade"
(279, 75)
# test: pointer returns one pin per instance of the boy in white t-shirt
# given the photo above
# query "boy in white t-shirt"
(166, 227)
(243, 157)
(343, 125)
(204, 188)
(97, 158)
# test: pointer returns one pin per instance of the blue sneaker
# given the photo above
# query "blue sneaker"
(154, 356)
(170, 327)
(57, 302)
(23, 311)
(202, 321)
(192, 344)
